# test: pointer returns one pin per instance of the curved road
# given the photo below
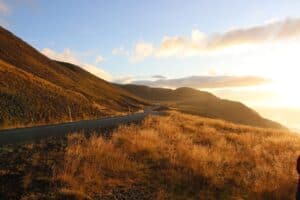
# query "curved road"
(12, 136)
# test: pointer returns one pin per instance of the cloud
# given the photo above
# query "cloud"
(68, 56)
(4, 8)
(158, 77)
(206, 82)
(65, 56)
(120, 52)
(276, 30)
(141, 51)
(132, 79)
(124, 80)
(97, 71)
(99, 59)
(199, 43)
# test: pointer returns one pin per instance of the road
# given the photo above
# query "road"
(13, 136)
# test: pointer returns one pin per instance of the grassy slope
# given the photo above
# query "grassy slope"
(184, 157)
(176, 156)
(202, 103)
(35, 89)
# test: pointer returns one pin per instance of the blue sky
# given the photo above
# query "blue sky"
(228, 42)
(97, 27)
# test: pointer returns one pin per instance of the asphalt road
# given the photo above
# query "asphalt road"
(13, 136)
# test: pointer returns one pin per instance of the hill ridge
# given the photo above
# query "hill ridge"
(36, 90)
(202, 103)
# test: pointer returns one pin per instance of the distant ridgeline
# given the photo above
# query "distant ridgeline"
(35, 90)
(202, 103)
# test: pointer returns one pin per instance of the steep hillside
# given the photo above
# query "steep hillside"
(202, 103)
(35, 89)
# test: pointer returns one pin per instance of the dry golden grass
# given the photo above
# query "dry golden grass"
(92, 164)
(181, 156)
(37, 90)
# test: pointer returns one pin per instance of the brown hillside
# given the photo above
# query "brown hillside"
(35, 89)
(173, 156)
(202, 103)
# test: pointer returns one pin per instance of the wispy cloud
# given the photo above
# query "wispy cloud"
(199, 43)
(205, 82)
(159, 77)
(120, 52)
(68, 56)
(65, 56)
(4, 8)
(141, 51)
(133, 79)
(99, 59)
(124, 80)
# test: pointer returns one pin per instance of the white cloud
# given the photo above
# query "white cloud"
(65, 56)
(141, 51)
(120, 52)
(124, 80)
(97, 71)
(212, 72)
(68, 56)
(4, 8)
(197, 36)
(199, 43)
(132, 79)
(99, 59)
(205, 82)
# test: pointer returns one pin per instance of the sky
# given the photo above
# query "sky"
(237, 49)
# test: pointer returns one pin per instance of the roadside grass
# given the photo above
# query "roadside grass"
(32, 96)
(12, 125)
(180, 156)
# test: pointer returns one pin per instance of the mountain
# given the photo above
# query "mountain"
(202, 103)
(35, 89)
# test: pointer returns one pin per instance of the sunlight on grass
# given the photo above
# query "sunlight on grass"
(181, 156)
